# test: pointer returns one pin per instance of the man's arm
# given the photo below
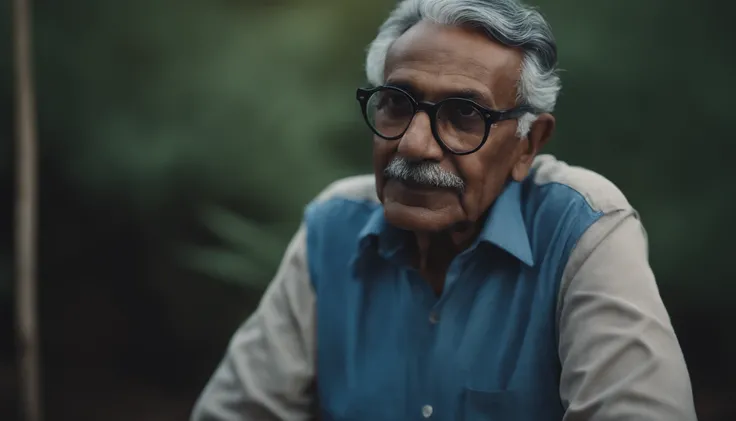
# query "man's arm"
(268, 371)
(620, 358)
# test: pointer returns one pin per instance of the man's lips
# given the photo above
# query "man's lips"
(420, 187)
(414, 185)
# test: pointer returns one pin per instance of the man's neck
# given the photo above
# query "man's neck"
(434, 251)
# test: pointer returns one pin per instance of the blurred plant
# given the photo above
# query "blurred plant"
(245, 104)
(234, 107)
(248, 253)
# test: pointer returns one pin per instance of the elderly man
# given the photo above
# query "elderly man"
(466, 279)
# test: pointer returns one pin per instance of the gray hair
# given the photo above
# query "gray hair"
(506, 21)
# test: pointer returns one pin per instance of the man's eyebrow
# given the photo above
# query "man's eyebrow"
(406, 86)
(467, 94)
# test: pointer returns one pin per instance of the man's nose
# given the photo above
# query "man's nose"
(418, 141)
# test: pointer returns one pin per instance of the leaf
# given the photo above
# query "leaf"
(245, 236)
(249, 251)
(227, 266)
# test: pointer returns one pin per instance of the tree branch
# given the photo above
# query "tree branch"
(26, 216)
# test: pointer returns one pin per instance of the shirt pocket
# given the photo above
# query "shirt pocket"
(508, 405)
(491, 405)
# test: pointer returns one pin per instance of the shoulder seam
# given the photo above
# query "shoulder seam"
(572, 266)
(586, 197)
(599, 192)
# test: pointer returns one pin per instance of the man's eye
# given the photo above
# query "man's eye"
(466, 111)
(393, 100)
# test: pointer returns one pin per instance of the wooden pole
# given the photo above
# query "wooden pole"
(25, 218)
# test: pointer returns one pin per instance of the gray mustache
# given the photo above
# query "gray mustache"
(423, 172)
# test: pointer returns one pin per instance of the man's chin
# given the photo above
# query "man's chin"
(416, 218)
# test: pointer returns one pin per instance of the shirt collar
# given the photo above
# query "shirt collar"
(504, 228)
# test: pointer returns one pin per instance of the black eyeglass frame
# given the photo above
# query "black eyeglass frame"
(431, 108)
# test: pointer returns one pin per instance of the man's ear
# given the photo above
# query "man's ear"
(539, 134)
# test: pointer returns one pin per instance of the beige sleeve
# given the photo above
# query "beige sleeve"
(269, 368)
(620, 358)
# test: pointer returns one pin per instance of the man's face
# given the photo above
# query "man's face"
(435, 62)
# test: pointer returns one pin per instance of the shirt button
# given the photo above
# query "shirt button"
(427, 411)
(434, 318)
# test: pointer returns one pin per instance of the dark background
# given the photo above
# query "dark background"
(181, 140)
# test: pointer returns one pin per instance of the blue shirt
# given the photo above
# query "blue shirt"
(390, 349)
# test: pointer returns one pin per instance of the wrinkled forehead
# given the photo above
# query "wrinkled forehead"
(437, 61)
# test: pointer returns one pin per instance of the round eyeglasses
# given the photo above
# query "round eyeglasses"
(460, 125)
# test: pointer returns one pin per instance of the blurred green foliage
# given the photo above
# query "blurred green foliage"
(250, 254)
(189, 97)
(251, 104)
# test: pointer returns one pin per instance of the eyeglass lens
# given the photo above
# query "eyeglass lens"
(460, 125)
